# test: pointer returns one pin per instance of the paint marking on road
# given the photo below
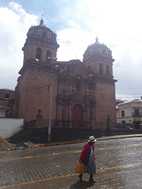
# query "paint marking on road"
(30, 156)
(38, 181)
(41, 156)
(119, 167)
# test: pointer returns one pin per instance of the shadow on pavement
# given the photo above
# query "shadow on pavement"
(81, 185)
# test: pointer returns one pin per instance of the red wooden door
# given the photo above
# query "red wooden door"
(77, 115)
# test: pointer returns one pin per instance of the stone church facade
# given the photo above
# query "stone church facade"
(74, 94)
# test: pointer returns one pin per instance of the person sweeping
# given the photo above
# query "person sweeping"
(87, 157)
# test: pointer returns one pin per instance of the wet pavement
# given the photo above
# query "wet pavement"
(119, 165)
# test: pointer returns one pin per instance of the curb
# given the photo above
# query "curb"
(119, 137)
(98, 139)
(103, 138)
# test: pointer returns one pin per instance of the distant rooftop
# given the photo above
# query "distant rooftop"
(131, 101)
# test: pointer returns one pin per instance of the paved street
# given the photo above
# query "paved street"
(119, 165)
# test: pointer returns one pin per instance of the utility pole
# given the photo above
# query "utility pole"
(50, 114)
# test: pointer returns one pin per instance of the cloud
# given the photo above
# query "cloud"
(73, 43)
(14, 23)
(116, 23)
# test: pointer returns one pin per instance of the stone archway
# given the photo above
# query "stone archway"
(77, 115)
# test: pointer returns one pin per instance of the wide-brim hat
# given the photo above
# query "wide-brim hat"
(91, 139)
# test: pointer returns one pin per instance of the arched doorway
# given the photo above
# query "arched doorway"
(77, 115)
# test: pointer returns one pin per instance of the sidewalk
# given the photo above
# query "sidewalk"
(98, 139)
(103, 138)
(119, 137)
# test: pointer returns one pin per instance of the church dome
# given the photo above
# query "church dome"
(42, 33)
(97, 50)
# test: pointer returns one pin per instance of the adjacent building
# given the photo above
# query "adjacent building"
(74, 93)
(130, 112)
(7, 100)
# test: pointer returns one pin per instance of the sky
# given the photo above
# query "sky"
(77, 23)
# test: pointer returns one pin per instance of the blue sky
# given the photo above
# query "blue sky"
(77, 24)
(55, 12)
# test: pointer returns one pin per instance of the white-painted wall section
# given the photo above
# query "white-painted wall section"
(9, 126)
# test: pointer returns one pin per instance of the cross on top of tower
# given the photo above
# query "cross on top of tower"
(97, 40)
(41, 22)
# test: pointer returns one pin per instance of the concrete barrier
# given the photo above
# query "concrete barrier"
(9, 126)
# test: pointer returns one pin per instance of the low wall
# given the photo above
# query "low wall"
(9, 126)
(40, 135)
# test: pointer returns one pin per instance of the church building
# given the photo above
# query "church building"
(71, 94)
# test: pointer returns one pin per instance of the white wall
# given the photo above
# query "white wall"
(9, 126)
(2, 114)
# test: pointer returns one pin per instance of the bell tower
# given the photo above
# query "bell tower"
(99, 57)
(41, 45)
